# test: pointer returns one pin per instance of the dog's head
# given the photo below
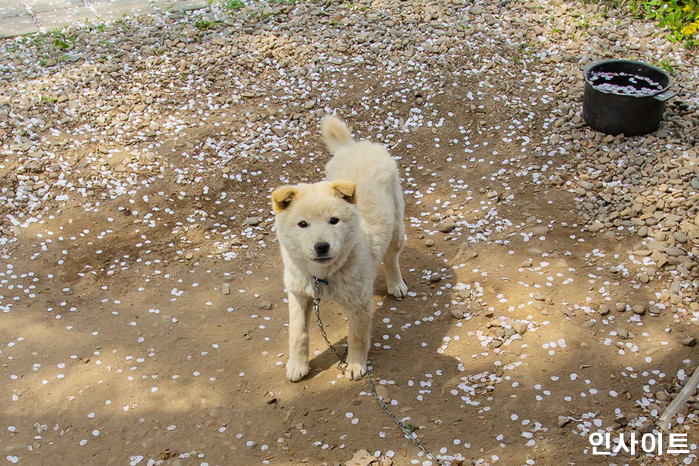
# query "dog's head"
(317, 223)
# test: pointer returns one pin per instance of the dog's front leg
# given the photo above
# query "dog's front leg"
(299, 311)
(359, 338)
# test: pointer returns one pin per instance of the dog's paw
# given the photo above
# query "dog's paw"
(399, 290)
(355, 371)
(296, 370)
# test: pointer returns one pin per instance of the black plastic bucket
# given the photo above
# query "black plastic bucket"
(624, 96)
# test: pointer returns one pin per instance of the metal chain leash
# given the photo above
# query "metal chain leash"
(342, 365)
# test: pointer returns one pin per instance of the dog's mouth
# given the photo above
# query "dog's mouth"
(323, 260)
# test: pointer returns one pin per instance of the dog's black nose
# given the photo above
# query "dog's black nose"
(322, 248)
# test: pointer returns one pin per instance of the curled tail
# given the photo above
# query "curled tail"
(335, 133)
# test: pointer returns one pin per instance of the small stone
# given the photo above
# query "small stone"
(429, 242)
(266, 305)
(595, 227)
(603, 310)
(526, 263)
(674, 252)
(680, 237)
(435, 277)
(639, 309)
(659, 258)
(621, 307)
(643, 231)
(520, 327)
(226, 289)
(252, 221)
(447, 225)
(563, 420)
(689, 341)
(457, 312)
(362, 458)
(643, 277)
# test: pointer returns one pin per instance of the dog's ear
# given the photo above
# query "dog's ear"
(282, 197)
(345, 189)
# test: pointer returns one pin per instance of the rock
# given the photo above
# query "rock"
(659, 258)
(621, 421)
(252, 221)
(457, 312)
(520, 327)
(639, 309)
(680, 237)
(266, 305)
(603, 310)
(563, 420)
(447, 225)
(595, 227)
(226, 289)
(361, 458)
(689, 341)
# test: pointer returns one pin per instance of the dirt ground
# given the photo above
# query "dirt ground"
(142, 313)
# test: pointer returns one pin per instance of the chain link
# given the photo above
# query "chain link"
(342, 365)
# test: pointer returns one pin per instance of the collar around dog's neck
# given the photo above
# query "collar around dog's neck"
(316, 291)
(317, 280)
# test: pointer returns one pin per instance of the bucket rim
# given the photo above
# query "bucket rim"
(590, 67)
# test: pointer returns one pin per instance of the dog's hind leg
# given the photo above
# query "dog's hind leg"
(358, 338)
(299, 312)
(394, 279)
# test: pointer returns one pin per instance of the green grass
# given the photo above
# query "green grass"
(667, 66)
(680, 18)
(233, 5)
(60, 40)
(204, 24)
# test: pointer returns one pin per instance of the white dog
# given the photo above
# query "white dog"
(339, 231)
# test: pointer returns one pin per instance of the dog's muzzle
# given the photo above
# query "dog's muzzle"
(322, 248)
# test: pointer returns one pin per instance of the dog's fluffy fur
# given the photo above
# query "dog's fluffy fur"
(339, 230)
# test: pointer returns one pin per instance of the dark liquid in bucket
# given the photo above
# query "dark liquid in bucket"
(621, 83)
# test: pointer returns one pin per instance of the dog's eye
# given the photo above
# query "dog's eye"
(303, 224)
(334, 221)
